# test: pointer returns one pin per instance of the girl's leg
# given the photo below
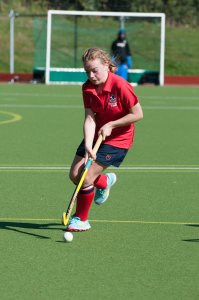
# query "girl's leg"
(76, 168)
(85, 197)
(103, 184)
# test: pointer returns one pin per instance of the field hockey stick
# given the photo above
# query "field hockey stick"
(66, 215)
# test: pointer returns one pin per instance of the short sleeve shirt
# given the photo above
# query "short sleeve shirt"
(113, 103)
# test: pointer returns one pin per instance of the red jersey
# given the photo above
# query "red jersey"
(113, 103)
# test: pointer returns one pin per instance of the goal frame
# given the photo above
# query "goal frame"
(162, 17)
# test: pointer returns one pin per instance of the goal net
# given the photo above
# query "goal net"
(70, 33)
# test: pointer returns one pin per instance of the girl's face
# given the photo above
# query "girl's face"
(96, 71)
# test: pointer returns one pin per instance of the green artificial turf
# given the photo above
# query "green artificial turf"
(144, 241)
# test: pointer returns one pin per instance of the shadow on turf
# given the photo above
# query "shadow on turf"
(18, 226)
(192, 240)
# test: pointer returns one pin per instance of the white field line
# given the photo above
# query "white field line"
(124, 168)
(170, 107)
(75, 106)
(60, 106)
(67, 95)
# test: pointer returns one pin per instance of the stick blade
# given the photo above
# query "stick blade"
(65, 219)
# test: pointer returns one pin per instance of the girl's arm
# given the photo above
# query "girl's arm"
(135, 114)
(89, 132)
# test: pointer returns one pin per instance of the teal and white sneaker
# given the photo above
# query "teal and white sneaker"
(76, 225)
(101, 195)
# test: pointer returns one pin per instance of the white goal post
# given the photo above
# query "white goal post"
(161, 16)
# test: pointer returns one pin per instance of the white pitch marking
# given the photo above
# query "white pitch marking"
(76, 106)
(147, 168)
(41, 106)
(77, 96)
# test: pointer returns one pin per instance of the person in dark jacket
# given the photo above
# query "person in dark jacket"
(121, 54)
